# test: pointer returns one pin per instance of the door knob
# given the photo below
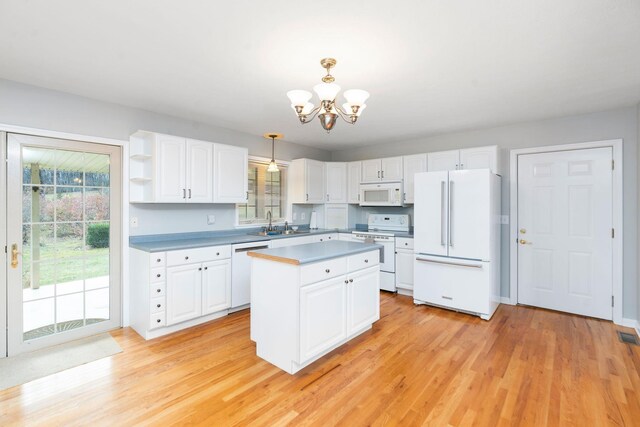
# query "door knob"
(524, 242)
(14, 255)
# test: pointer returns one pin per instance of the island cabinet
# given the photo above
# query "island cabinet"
(302, 312)
(178, 289)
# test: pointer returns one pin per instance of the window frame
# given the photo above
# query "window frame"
(265, 160)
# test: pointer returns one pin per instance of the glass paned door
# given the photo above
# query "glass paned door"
(64, 231)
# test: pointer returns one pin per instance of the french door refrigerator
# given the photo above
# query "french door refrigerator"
(457, 240)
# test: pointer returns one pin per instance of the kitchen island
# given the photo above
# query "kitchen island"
(307, 300)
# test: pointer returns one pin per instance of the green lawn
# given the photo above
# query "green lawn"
(63, 262)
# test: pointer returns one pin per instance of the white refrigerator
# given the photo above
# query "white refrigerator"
(457, 240)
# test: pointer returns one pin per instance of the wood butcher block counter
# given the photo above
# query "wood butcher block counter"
(307, 300)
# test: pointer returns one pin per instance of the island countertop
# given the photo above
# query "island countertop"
(313, 252)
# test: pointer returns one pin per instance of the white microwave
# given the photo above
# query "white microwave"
(381, 194)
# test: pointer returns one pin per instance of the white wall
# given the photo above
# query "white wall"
(30, 106)
(620, 123)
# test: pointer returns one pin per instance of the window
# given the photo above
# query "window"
(267, 192)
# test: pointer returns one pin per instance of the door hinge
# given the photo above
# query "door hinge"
(613, 164)
(611, 300)
(613, 233)
(5, 250)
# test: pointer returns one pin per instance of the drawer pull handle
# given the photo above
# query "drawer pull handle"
(327, 271)
(446, 297)
(366, 260)
(158, 290)
(158, 305)
(217, 253)
(158, 321)
(350, 280)
(346, 281)
(186, 257)
(200, 269)
(206, 268)
(158, 275)
(158, 260)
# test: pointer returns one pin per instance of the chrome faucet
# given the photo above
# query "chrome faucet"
(270, 227)
(286, 226)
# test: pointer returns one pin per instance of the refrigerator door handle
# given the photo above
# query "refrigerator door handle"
(443, 236)
(451, 213)
(458, 264)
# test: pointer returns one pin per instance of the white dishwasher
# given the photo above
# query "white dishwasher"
(241, 272)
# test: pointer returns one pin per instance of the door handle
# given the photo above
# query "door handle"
(382, 174)
(189, 193)
(442, 214)
(14, 255)
(524, 242)
(378, 174)
(184, 193)
(451, 213)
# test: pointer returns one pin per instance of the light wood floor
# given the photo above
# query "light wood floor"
(417, 366)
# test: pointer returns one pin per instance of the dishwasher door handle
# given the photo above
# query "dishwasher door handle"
(252, 248)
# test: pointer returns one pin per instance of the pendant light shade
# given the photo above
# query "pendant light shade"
(273, 166)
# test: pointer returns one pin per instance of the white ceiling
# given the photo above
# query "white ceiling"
(430, 66)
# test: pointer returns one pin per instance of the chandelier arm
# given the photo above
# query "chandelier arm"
(343, 115)
(313, 113)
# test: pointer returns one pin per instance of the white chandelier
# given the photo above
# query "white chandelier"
(327, 92)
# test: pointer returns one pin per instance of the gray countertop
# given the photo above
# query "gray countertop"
(314, 252)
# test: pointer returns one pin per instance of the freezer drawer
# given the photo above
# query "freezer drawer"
(458, 284)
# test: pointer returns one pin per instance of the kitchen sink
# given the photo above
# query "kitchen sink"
(278, 233)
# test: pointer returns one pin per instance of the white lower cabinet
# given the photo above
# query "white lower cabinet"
(184, 293)
(179, 289)
(404, 265)
(363, 295)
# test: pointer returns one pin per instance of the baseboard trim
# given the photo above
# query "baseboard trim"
(631, 323)
(506, 300)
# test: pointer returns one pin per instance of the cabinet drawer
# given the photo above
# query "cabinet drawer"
(404, 243)
(188, 256)
(365, 260)
(157, 305)
(157, 275)
(322, 270)
(157, 290)
(157, 259)
(157, 320)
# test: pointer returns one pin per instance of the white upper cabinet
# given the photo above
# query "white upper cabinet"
(199, 170)
(412, 165)
(230, 181)
(354, 175)
(443, 161)
(336, 186)
(480, 158)
(468, 158)
(170, 169)
(387, 169)
(306, 181)
(371, 170)
(391, 169)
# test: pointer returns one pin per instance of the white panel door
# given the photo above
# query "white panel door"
(323, 316)
(479, 158)
(430, 213)
(404, 269)
(184, 293)
(354, 175)
(336, 174)
(363, 299)
(564, 222)
(371, 170)
(443, 160)
(216, 286)
(391, 169)
(199, 171)
(314, 181)
(230, 180)
(470, 214)
(412, 165)
(170, 169)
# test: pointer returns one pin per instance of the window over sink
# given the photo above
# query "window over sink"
(267, 192)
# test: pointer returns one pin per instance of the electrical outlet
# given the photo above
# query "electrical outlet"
(504, 219)
(302, 215)
(211, 219)
(133, 222)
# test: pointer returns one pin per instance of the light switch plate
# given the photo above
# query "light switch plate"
(504, 219)
(211, 219)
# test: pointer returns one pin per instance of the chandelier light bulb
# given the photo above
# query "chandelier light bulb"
(326, 91)
(356, 96)
(299, 97)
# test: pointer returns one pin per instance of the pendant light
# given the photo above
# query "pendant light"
(273, 167)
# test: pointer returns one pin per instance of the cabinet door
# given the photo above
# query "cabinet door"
(314, 181)
(371, 170)
(479, 158)
(216, 286)
(170, 169)
(391, 169)
(404, 269)
(443, 161)
(354, 177)
(412, 165)
(230, 181)
(336, 173)
(184, 293)
(363, 299)
(199, 171)
(323, 316)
